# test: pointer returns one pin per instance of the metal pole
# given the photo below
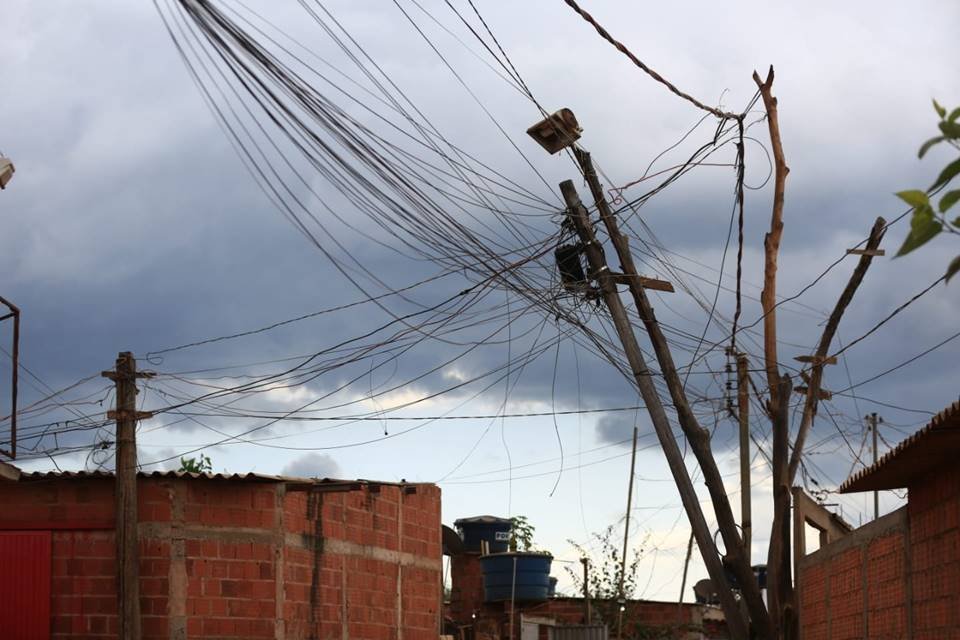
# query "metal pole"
(14, 382)
(513, 594)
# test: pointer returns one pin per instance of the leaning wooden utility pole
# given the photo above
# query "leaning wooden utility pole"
(699, 438)
(577, 214)
(127, 541)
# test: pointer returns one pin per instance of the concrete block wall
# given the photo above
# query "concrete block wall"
(239, 559)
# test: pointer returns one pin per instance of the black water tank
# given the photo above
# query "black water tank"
(495, 531)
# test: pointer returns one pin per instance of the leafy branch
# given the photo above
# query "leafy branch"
(196, 465)
(928, 221)
(521, 534)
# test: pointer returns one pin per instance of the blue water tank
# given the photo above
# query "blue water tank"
(524, 576)
(495, 531)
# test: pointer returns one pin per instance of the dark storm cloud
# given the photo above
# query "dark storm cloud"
(132, 225)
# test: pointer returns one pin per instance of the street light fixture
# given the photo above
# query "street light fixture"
(6, 171)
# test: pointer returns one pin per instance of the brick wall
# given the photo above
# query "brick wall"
(241, 559)
(934, 514)
(655, 619)
(896, 577)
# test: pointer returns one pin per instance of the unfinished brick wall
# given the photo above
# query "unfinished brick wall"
(934, 514)
(854, 588)
(658, 619)
(896, 577)
(380, 571)
(242, 559)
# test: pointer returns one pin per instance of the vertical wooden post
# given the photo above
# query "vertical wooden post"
(128, 554)
(621, 597)
(743, 415)
(661, 423)
(586, 591)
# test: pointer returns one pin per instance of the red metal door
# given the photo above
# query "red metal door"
(25, 585)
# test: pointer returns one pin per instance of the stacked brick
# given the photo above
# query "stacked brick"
(222, 558)
(896, 577)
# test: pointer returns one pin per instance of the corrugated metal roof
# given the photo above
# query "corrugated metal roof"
(936, 444)
(233, 477)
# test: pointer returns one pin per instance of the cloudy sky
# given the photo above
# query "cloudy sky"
(132, 224)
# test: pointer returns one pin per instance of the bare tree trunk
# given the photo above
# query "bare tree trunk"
(778, 562)
(779, 587)
(771, 241)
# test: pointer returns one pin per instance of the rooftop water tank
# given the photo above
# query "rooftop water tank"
(521, 576)
(491, 529)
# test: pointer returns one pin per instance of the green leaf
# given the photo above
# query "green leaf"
(928, 144)
(952, 269)
(949, 199)
(914, 197)
(923, 228)
(940, 110)
(954, 115)
(950, 129)
(949, 173)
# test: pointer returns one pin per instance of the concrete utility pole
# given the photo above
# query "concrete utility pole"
(873, 420)
(127, 540)
(599, 270)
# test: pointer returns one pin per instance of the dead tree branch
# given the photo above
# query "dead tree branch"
(816, 374)
(771, 241)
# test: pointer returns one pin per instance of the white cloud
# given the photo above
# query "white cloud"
(314, 465)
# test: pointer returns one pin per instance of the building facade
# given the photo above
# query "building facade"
(897, 577)
(247, 556)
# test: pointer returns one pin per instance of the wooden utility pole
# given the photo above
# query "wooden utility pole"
(606, 280)
(697, 436)
(126, 416)
(743, 416)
